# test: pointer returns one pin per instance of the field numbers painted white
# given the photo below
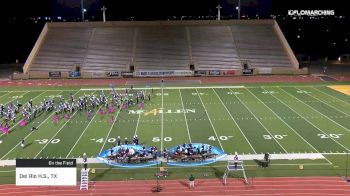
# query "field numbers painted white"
(269, 92)
(16, 97)
(195, 94)
(303, 92)
(269, 137)
(44, 141)
(332, 135)
(222, 137)
(234, 93)
(54, 96)
(166, 139)
(164, 94)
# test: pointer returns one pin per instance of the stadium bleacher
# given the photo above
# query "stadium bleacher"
(171, 45)
(260, 45)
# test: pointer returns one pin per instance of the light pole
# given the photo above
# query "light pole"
(238, 8)
(104, 13)
(82, 10)
(218, 7)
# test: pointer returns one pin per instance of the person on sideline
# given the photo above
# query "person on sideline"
(191, 181)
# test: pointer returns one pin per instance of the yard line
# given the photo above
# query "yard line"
(285, 122)
(109, 132)
(210, 121)
(319, 111)
(234, 121)
(183, 107)
(16, 98)
(18, 123)
(162, 123)
(309, 121)
(137, 124)
(330, 95)
(258, 121)
(331, 107)
(57, 131)
(5, 94)
(29, 133)
(56, 134)
(84, 131)
(328, 104)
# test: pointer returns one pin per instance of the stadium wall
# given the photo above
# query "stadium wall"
(286, 45)
(156, 23)
(35, 48)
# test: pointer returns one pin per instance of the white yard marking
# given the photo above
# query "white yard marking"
(28, 134)
(84, 131)
(286, 123)
(5, 94)
(260, 122)
(310, 122)
(330, 95)
(162, 123)
(57, 131)
(210, 121)
(234, 121)
(13, 100)
(322, 113)
(183, 107)
(137, 124)
(109, 132)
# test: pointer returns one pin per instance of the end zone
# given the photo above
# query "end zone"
(345, 89)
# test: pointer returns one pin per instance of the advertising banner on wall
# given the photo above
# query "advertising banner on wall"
(127, 74)
(98, 75)
(112, 74)
(228, 72)
(74, 74)
(54, 74)
(265, 70)
(200, 73)
(247, 71)
(214, 72)
(163, 73)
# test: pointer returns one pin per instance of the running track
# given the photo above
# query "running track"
(297, 186)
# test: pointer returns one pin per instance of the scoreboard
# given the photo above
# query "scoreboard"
(46, 172)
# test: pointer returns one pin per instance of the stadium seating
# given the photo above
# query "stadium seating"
(213, 48)
(100, 47)
(62, 49)
(161, 48)
(110, 49)
(260, 45)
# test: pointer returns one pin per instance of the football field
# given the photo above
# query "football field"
(246, 120)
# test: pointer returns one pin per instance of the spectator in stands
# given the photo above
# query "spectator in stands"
(191, 181)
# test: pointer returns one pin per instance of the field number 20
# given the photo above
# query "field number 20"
(332, 135)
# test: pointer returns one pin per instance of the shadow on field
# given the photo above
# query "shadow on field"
(217, 172)
(27, 145)
(100, 175)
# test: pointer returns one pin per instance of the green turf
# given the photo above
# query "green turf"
(256, 119)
